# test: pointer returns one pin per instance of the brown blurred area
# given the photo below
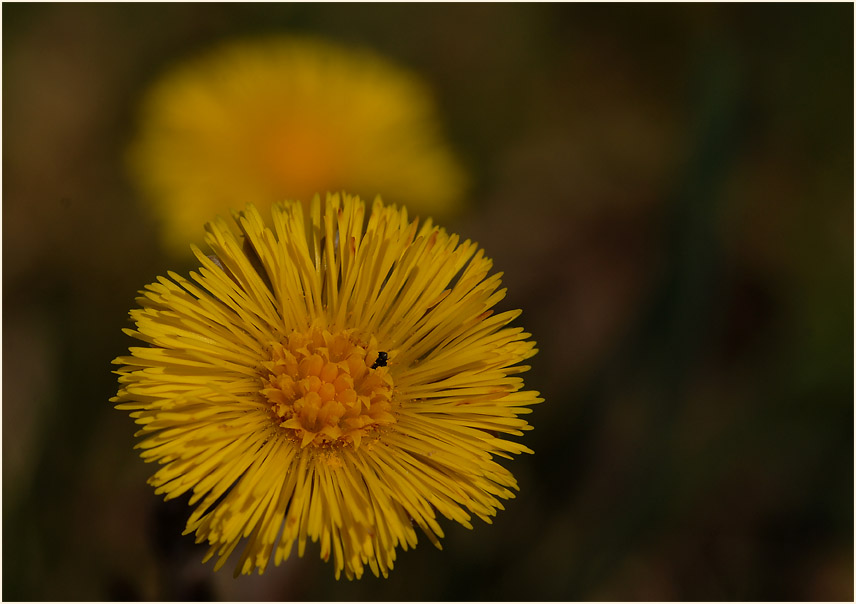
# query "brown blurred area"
(669, 192)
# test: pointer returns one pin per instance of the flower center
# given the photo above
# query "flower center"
(328, 388)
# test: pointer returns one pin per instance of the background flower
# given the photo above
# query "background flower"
(282, 117)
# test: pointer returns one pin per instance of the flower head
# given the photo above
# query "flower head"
(262, 120)
(336, 377)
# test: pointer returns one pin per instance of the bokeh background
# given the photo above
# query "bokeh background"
(669, 191)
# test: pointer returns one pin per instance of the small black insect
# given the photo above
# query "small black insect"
(382, 358)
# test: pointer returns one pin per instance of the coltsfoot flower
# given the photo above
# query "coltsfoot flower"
(280, 117)
(337, 377)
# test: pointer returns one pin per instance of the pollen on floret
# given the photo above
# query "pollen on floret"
(325, 389)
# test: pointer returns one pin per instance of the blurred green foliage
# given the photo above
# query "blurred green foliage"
(669, 191)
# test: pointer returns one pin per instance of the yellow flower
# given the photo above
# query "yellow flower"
(335, 378)
(269, 119)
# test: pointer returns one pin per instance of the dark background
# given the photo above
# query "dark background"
(669, 191)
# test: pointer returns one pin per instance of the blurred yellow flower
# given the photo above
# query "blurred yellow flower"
(339, 378)
(269, 119)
